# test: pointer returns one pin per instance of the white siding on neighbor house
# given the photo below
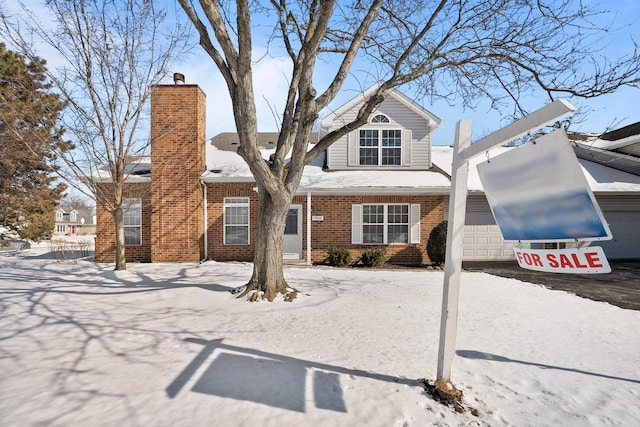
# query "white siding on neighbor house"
(339, 157)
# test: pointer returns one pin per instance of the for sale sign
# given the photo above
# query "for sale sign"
(591, 260)
(537, 192)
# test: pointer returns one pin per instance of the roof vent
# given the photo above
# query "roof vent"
(178, 78)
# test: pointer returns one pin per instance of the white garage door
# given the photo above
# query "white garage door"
(623, 216)
(482, 238)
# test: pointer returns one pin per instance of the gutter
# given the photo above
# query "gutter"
(205, 237)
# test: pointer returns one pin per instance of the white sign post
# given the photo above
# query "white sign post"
(463, 151)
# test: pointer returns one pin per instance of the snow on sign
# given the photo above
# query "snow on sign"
(591, 260)
(537, 192)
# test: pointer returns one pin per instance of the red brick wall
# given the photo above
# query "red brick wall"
(177, 160)
(217, 250)
(173, 206)
(334, 230)
(106, 232)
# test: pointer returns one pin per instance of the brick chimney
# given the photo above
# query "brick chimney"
(177, 159)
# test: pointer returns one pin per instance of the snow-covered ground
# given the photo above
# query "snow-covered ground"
(167, 345)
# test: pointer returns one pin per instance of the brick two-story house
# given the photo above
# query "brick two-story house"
(196, 199)
(381, 185)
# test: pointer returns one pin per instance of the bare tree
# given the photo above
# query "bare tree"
(109, 53)
(503, 50)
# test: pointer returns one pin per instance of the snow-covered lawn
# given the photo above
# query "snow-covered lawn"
(167, 345)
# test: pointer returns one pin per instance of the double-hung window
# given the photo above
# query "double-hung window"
(236, 221)
(132, 218)
(385, 224)
(380, 147)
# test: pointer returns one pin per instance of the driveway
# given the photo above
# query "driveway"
(621, 287)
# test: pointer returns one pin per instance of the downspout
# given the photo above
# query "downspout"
(205, 237)
(309, 228)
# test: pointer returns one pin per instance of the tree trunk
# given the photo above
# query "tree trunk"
(268, 273)
(121, 259)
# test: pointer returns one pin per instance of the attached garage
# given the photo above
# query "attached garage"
(623, 216)
(483, 240)
(617, 193)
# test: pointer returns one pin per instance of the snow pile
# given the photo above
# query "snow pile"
(167, 345)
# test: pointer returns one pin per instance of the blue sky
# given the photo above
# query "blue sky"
(271, 72)
(270, 75)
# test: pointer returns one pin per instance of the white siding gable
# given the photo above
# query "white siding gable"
(415, 123)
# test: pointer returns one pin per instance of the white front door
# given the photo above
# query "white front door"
(292, 244)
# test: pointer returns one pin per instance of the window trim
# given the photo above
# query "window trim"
(239, 202)
(379, 145)
(386, 224)
(357, 220)
(380, 118)
(127, 205)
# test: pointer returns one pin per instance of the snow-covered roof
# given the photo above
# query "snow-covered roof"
(139, 171)
(227, 166)
(601, 179)
(619, 149)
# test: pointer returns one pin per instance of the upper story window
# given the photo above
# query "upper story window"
(380, 147)
(380, 118)
(73, 216)
(59, 214)
(236, 221)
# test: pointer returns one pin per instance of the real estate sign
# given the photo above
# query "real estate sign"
(591, 260)
(537, 192)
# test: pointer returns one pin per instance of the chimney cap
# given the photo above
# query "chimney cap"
(178, 78)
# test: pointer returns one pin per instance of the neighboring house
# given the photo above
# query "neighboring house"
(383, 184)
(74, 222)
(618, 149)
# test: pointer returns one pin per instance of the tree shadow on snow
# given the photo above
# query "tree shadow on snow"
(267, 378)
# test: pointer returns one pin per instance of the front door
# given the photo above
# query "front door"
(292, 243)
